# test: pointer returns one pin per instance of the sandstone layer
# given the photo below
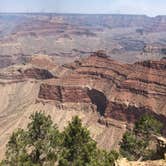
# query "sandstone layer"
(107, 95)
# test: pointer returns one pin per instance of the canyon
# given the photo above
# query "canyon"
(108, 96)
(107, 69)
(126, 38)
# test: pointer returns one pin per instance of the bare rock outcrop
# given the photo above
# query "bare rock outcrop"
(120, 91)
(158, 65)
(64, 94)
(37, 73)
(113, 94)
(23, 72)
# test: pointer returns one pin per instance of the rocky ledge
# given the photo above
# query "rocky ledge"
(22, 72)
(120, 91)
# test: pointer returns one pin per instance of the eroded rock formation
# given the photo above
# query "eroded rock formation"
(109, 96)
(119, 91)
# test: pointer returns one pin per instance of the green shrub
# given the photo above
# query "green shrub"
(43, 144)
(136, 144)
(37, 145)
(79, 149)
(148, 125)
(132, 147)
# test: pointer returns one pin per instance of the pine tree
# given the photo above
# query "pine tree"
(79, 149)
(43, 139)
(16, 149)
(131, 147)
(43, 145)
(37, 145)
(135, 144)
(148, 125)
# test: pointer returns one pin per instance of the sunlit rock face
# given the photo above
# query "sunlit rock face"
(119, 91)
(109, 96)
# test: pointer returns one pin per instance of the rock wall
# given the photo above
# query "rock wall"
(67, 94)
(108, 95)
(64, 94)
(119, 91)
(21, 72)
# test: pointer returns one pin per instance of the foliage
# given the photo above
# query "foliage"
(132, 147)
(38, 145)
(136, 144)
(16, 149)
(148, 125)
(43, 144)
(43, 139)
(104, 158)
(79, 149)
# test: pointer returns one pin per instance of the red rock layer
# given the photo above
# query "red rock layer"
(64, 94)
(123, 91)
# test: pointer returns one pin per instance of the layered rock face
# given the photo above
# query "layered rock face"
(69, 94)
(107, 95)
(158, 65)
(37, 73)
(28, 71)
(71, 36)
(125, 92)
(64, 94)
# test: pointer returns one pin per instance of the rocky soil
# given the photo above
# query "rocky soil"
(124, 162)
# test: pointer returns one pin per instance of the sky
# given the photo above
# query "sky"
(148, 7)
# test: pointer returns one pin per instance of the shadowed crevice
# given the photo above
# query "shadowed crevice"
(99, 99)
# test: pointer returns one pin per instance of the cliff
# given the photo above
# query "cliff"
(107, 95)
(124, 91)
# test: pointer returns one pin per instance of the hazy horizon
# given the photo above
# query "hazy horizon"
(142, 7)
(42, 13)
